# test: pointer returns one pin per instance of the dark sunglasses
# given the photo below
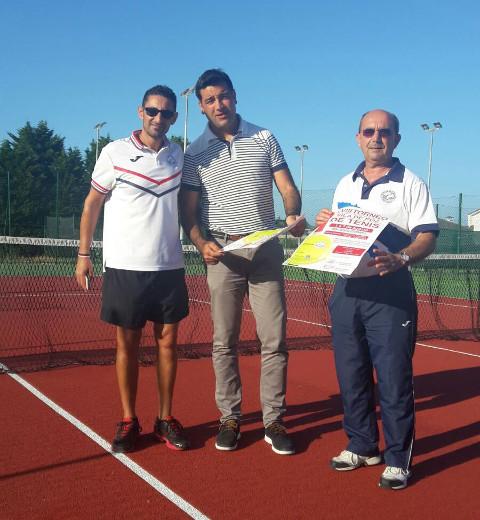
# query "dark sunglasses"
(383, 132)
(153, 112)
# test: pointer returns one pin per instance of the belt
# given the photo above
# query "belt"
(225, 236)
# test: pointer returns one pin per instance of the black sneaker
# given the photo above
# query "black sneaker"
(228, 435)
(126, 436)
(170, 431)
(276, 435)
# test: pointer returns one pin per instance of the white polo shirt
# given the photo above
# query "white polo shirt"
(141, 229)
(399, 195)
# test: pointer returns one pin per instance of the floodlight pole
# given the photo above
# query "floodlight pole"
(56, 203)
(431, 130)
(9, 209)
(301, 149)
(97, 128)
(185, 94)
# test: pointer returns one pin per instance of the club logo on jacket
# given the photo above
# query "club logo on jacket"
(136, 158)
(388, 196)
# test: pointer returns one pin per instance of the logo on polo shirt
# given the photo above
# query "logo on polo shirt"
(388, 196)
(136, 158)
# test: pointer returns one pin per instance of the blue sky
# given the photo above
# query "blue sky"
(306, 70)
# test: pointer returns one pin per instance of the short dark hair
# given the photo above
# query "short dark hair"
(393, 118)
(212, 77)
(160, 90)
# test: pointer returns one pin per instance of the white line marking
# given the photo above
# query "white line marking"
(288, 318)
(329, 327)
(452, 303)
(449, 350)
(325, 325)
(126, 461)
(310, 323)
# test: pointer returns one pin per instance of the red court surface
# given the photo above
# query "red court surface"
(51, 314)
(50, 470)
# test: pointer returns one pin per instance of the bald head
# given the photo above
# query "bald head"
(392, 117)
(378, 137)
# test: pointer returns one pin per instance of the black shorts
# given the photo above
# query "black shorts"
(131, 298)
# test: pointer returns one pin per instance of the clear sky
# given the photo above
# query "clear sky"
(306, 70)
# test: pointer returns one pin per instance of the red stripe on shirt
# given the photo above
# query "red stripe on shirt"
(148, 178)
(136, 139)
(99, 187)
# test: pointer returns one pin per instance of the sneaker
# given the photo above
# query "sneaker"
(394, 478)
(126, 436)
(348, 460)
(228, 435)
(170, 431)
(276, 435)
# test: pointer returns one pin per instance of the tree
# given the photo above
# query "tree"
(34, 157)
(45, 180)
(72, 183)
(40, 178)
(90, 154)
(179, 140)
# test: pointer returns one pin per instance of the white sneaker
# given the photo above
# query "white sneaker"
(394, 478)
(348, 460)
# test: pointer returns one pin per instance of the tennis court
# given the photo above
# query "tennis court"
(54, 458)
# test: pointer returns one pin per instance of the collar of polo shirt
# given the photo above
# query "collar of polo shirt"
(135, 138)
(395, 173)
(212, 137)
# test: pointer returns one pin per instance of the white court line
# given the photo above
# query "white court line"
(292, 286)
(288, 318)
(310, 323)
(325, 325)
(451, 304)
(449, 350)
(439, 303)
(126, 461)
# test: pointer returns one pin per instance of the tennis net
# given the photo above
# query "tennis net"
(46, 320)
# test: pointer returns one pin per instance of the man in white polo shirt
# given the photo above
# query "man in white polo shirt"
(374, 318)
(138, 179)
(229, 172)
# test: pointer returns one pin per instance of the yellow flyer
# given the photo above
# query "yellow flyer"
(343, 245)
(257, 238)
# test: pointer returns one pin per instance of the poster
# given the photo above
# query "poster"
(343, 244)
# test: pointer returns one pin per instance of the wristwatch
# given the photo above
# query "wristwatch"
(405, 258)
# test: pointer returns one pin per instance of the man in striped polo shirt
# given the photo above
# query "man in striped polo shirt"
(228, 175)
(138, 179)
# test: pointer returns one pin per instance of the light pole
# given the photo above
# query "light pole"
(97, 128)
(185, 94)
(56, 204)
(301, 149)
(436, 126)
(9, 209)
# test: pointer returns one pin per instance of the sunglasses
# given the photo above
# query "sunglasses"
(383, 132)
(153, 112)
